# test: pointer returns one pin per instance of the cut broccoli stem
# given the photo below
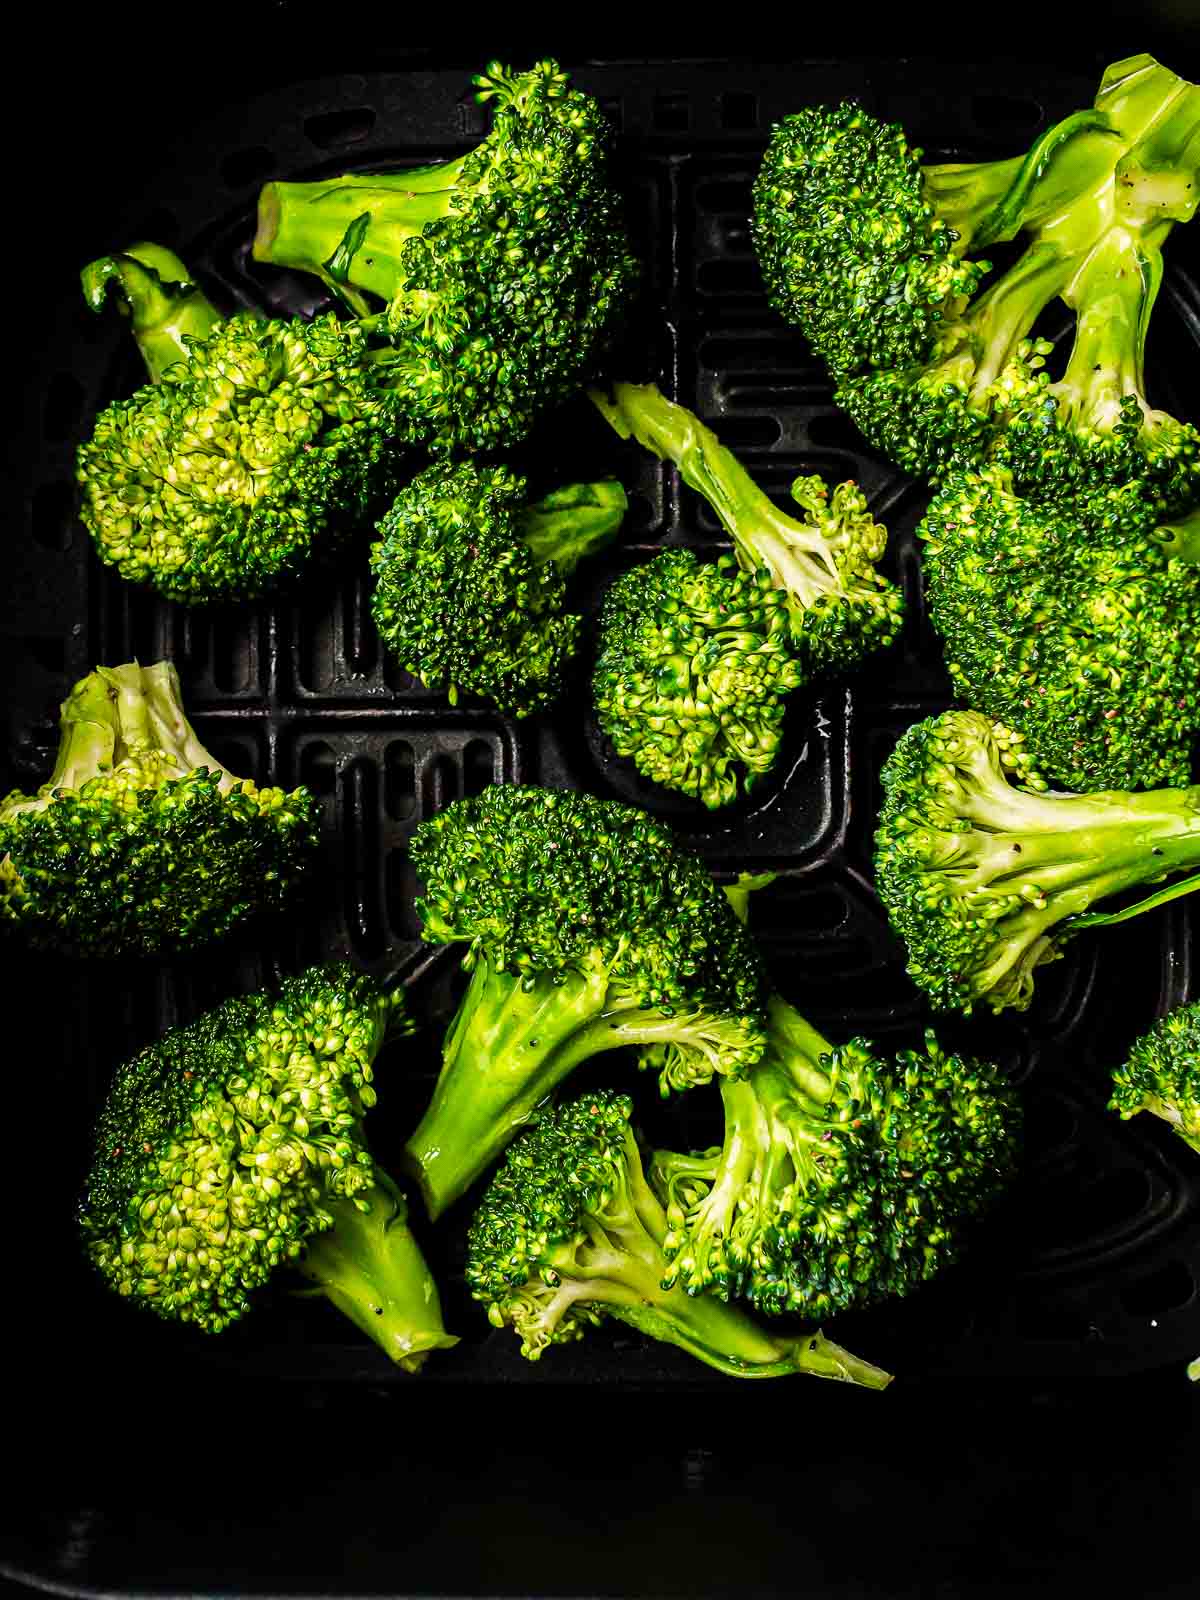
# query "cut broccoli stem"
(572, 523)
(172, 730)
(1002, 319)
(89, 737)
(164, 305)
(371, 1268)
(1113, 293)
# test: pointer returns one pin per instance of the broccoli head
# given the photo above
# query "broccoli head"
(695, 663)
(505, 273)
(257, 449)
(844, 1179)
(568, 1232)
(470, 579)
(1084, 644)
(1162, 1074)
(235, 1146)
(840, 608)
(984, 874)
(587, 928)
(140, 841)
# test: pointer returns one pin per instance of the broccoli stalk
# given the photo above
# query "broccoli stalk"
(569, 1232)
(984, 874)
(164, 306)
(840, 606)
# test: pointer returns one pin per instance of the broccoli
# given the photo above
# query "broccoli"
(1085, 645)
(235, 1146)
(695, 661)
(865, 251)
(257, 446)
(587, 927)
(1162, 1074)
(840, 607)
(568, 1232)
(506, 272)
(140, 841)
(470, 580)
(984, 875)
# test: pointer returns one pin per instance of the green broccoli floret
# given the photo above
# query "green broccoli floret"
(235, 1146)
(568, 1232)
(1162, 1074)
(470, 580)
(984, 875)
(695, 663)
(844, 1179)
(1085, 645)
(864, 250)
(587, 927)
(841, 609)
(258, 445)
(141, 841)
(506, 272)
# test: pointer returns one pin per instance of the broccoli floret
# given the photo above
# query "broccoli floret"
(695, 663)
(865, 251)
(235, 1146)
(841, 609)
(1162, 1074)
(568, 1232)
(141, 841)
(844, 1179)
(587, 927)
(470, 580)
(506, 272)
(258, 446)
(984, 874)
(1085, 645)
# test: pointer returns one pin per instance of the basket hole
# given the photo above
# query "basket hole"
(834, 431)
(238, 756)
(64, 405)
(401, 881)
(479, 767)
(53, 517)
(739, 109)
(1009, 114)
(729, 278)
(318, 768)
(334, 130)
(247, 166)
(439, 784)
(1167, 1288)
(749, 433)
(671, 112)
(399, 781)
(49, 653)
(640, 515)
(726, 197)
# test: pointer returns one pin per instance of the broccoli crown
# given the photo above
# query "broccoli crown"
(1162, 1074)
(695, 661)
(222, 1147)
(1083, 642)
(141, 841)
(264, 447)
(850, 248)
(470, 580)
(506, 273)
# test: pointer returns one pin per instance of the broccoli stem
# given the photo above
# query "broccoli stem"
(172, 730)
(88, 724)
(573, 523)
(164, 305)
(370, 1266)
(1003, 317)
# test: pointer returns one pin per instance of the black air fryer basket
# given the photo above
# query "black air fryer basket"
(1041, 1402)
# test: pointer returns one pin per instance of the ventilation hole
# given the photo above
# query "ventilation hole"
(318, 768)
(359, 827)
(239, 756)
(729, 278)
(640, 515)
(834, 430)
(231, 652)
(739, 109)
(314, 649)
(777, 909)
(247, 166)
(398, 680)
(334, 130)
(613, 108)
(50, 654)
(478, 767)
(399, 782)
(160, 225)
(401, 888)
(749, 433)
(671, 112)
(53, 515)
(1167, 1288)
(1007, 114)
(439, 784)
(360, 641)
(64, 405)
(730, 198)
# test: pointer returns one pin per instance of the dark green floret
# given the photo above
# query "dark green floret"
(587, 927)
(568, 1232)
(471, 580)
(258, 446)
(504, 274)
(1162, 1074)
(141, 841)
(1088, 645)
(823, 562)
(694, 668)
(984, 874)
(234, 1147)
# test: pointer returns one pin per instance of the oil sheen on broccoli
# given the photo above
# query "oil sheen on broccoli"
(569, 1232)
(984, 873)
(140, 841)
(587, 927)
(504, 273)
(471, 577)
(234, 1147)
